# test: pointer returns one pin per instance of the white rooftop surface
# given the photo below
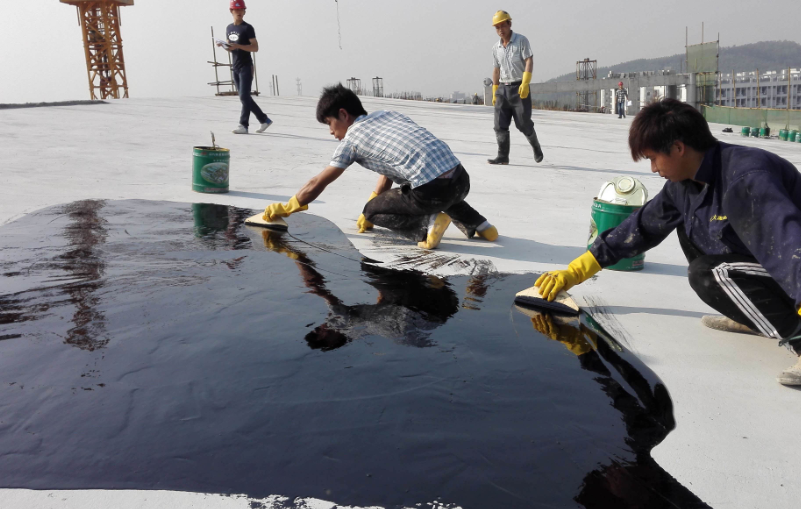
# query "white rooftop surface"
(736, 443)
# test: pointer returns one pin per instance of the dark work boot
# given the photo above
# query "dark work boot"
(535, 144)
(503, 148)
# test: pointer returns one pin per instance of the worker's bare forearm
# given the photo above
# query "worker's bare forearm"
(496, 76)
(314, 187)
(530, 64)
(383, 185)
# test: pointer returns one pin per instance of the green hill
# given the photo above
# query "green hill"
(766, 56)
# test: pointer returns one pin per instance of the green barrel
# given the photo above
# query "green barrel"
(791, 135)
(783, 134)
(745, 131)
(210, 170)
(755, 132)
(798, 137)
(606, 216)
(764, 132)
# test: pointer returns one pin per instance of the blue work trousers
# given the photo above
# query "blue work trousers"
(243, 79)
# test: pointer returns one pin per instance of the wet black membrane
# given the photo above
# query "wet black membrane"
(153, 345)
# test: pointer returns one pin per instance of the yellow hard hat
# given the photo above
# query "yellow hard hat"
(500, 17)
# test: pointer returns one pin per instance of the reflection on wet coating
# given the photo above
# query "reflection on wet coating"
(150, 345)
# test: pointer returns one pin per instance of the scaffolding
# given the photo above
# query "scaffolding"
(702, 60)
(229, 83)
(105, 65)
(378, 87)
(355, 84)
(586, 70)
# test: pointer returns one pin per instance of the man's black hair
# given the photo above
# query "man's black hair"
(657, 126)
(336, 98)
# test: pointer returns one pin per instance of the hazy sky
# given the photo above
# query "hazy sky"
(431, 46)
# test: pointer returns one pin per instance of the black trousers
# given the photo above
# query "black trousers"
(739, 287)
(243, 79)
(509, 106)
(408, 210)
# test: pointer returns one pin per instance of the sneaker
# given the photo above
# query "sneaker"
(241, 130)
(436, 229)
(726, 324)
(488, 232)
(791, 375)
(263, 127)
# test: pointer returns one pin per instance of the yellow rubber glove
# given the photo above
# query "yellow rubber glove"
(524, 88)
(280, 210)
(579, 270)
(494, 91)
(362, 223)
(799, 311)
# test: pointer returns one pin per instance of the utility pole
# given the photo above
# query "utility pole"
(300, 86)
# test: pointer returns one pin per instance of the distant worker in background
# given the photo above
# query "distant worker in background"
(475, 98)
(737, 213)
(621, 100)
(432, 182)
(513, 62)
(241, 43)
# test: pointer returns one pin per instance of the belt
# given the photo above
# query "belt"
(515, 83)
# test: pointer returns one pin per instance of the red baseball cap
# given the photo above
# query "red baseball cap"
(237, 4)
(619, 83)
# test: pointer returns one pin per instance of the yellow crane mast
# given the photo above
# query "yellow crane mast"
(102, 42)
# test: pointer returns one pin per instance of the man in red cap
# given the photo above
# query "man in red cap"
(621, 98)
(241, 43)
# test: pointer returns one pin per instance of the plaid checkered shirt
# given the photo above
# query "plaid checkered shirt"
(391, 144)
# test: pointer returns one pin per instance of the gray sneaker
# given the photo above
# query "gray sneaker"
(263, 127)
(791, 375)
(726, 324)
(241, 130)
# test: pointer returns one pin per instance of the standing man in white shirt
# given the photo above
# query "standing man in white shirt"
(513, 62)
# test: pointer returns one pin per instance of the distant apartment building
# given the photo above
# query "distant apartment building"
(771, 90)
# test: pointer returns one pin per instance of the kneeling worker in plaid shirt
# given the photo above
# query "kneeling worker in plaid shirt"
(433, 184)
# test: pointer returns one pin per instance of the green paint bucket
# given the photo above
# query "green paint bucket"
(764, 132)
(798, 137)
(210, 170)
(783, 134)
(745, 131)
(755, 132)
(791, 135)
(609, 215)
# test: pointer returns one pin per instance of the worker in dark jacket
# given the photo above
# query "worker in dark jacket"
(737, 212)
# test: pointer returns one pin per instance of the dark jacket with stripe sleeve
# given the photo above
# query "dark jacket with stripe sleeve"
(742, 201)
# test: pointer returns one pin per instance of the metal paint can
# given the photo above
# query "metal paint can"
(764, 132)
(616, 201)
(210, 169)
(783, 134)
(798, 137)
(791, 135)
(745, 131)
(755, 132)
(606, 216)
